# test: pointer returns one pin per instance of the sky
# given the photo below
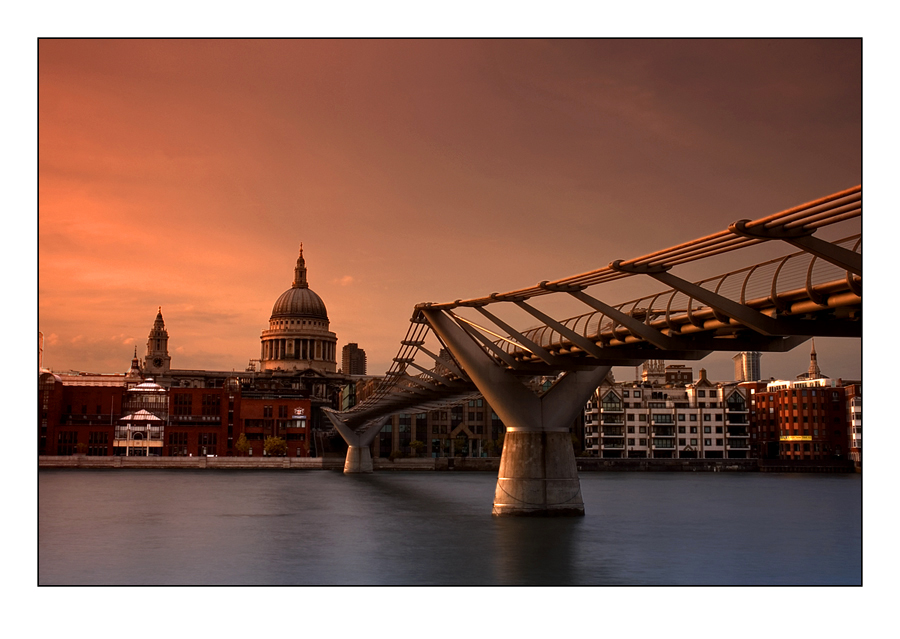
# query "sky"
(185, 174)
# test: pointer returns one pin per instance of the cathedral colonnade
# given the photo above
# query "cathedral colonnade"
(276, 348)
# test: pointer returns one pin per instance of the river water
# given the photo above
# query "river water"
(208, 527)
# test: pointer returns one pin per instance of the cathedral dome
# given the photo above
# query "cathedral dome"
(299, 302)
(297, 337)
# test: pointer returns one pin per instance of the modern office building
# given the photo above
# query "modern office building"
(747, 366)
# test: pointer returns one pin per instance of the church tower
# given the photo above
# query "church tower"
(157, 360)
(813, 372)
(654, 371)
(135, 374)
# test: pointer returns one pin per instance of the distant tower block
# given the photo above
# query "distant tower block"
(746, 367)
(654, 371)
(353, 360)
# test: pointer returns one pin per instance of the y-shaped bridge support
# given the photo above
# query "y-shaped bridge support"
(359, 457)
(538, 475)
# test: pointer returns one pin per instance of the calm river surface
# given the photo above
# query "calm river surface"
(208, 527)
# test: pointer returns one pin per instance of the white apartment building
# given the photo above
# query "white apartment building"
(702, 420)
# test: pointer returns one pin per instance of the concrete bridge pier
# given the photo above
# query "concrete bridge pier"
(359, 455)
(359, 460)
(538, 475)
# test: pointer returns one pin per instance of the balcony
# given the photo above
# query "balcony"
(738, 444)
(613, 419)
(613, 445)
(664, 432)
(613, 408)
(613, 431)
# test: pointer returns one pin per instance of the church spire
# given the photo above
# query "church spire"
(300, 271)
(813, 372)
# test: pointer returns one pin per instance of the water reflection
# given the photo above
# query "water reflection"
(407, 528)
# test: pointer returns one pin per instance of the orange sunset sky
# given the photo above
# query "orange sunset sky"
(184, 175)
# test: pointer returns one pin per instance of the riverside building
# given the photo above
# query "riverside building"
(154, 409)
(812, 417)
(700, 420)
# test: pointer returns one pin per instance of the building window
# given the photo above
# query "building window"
(206, 443)
(707, 429)
(707, 442)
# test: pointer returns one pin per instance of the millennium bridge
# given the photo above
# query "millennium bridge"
(455, 350)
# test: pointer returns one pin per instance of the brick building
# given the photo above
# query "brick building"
(153, 409)
(812, 417)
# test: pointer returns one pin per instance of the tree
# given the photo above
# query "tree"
(395, 454)
(417, 446)
(275, 447)
(242, 445)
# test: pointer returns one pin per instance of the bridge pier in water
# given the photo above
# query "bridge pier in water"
(359, 455)
(538, 475)
(359, 460)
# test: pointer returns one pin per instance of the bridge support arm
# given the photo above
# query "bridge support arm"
(805, 241)
(538, 474)
(747, 316)
(359, 457)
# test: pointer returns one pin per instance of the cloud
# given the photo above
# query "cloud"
(345, 281)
